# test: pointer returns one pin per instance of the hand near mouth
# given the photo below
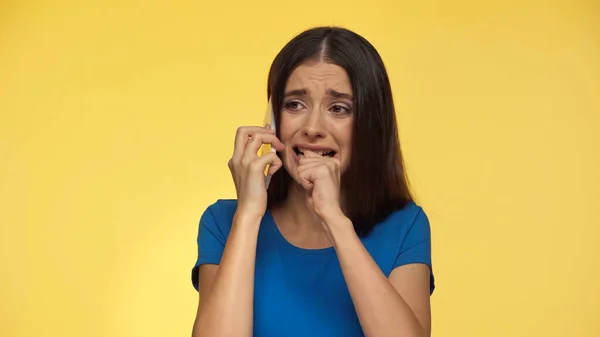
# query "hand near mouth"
(320, 176)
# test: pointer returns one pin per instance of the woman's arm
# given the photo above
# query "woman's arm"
(398, 306)
(395, 307)
(227, 291)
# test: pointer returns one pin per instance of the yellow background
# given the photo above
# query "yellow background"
(117, 120)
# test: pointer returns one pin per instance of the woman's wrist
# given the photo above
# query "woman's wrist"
(334, 216)
(338, 225)
(247, 219)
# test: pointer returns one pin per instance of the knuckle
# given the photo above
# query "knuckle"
(255, 166)
(261, 137)
(257, 138)
(254, 163)
(245, 163)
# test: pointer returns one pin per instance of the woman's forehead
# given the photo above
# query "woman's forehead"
(320, 77)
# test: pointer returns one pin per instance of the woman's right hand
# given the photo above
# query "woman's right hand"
(247, 168)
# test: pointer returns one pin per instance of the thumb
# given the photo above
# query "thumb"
(310, 155)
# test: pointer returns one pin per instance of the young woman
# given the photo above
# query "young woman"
(336, 246)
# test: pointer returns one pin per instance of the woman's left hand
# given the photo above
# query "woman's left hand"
(320, 176)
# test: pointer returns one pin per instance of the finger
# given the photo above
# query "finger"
(306, 184)
(322, 170)
(307, 177)
(275, 165)
(271, 159)
(308, 165)
(250, 153)
(242, 136)
(312, 156)
(257, 140)
(304, 160)
(309, 154)
(333, 163)
(245, 132)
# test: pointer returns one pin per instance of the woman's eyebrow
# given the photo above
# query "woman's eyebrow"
(330, 92)
(296, 92)
(338, 94)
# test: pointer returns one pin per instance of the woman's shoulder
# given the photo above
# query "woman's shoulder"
(220, 214)
(406, 215)
(403, 237)
(223, 207)
(409, 218)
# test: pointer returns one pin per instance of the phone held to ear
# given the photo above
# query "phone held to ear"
(266, 148)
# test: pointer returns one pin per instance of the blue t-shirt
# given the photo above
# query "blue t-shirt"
(302, 292)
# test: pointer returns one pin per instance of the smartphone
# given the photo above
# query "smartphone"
(269, 118)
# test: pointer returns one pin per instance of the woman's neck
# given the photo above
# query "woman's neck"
(297, 222)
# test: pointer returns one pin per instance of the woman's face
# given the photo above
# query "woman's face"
(317, 115)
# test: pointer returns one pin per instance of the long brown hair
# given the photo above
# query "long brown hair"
(375, 183)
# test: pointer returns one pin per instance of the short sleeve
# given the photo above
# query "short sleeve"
(210, 242)
(416, 247)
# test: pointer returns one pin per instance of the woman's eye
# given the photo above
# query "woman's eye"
(293, 105)
(339, 109)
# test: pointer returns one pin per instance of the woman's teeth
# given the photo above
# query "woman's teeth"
(324, 153)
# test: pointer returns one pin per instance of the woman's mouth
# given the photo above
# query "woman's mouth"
(303, 152)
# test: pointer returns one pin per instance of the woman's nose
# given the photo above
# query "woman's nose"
(313, 126)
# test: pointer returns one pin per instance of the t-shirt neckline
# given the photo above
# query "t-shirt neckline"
(285, 244)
